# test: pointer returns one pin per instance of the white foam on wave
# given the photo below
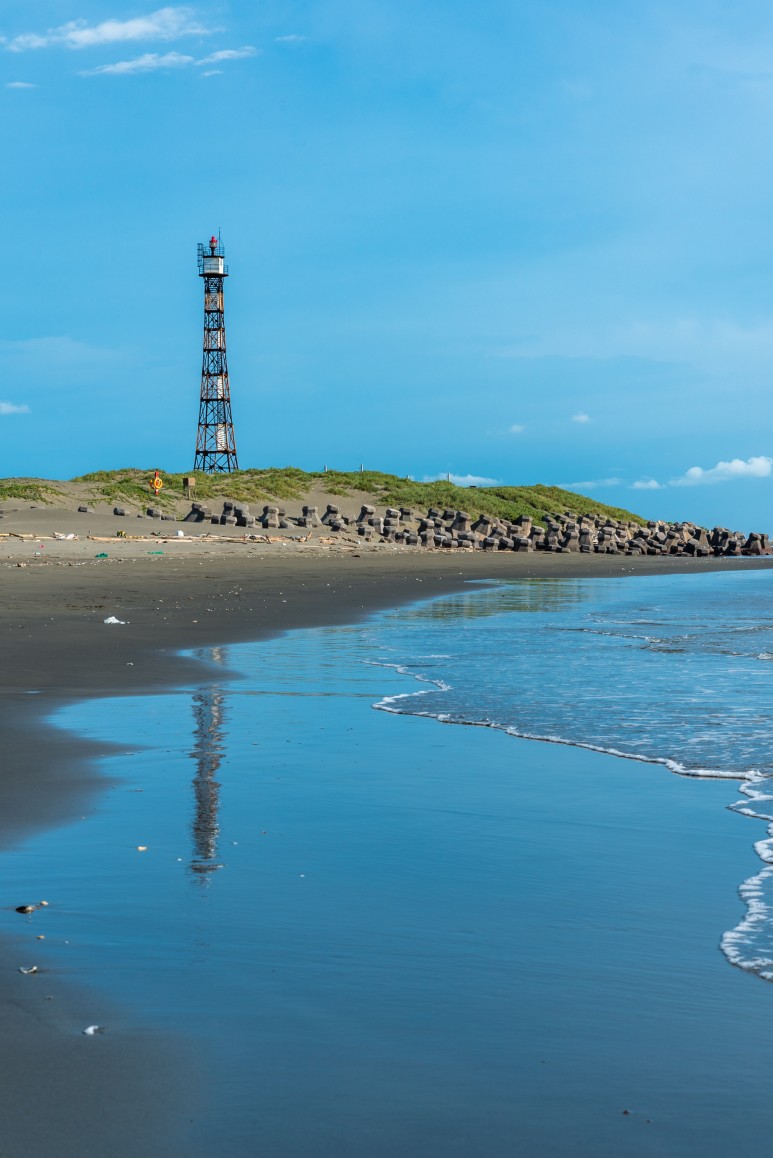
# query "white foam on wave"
(387, 704)
(749, 946)
(764, 849)
(758, 790)
(741, 944)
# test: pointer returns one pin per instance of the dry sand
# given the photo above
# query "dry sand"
(64, 1093)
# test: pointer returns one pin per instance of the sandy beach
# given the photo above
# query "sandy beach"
(57, 648)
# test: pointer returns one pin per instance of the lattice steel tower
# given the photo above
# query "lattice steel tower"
(215, 441)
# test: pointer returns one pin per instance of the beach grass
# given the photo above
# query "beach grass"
(290, 483)
(33, 492)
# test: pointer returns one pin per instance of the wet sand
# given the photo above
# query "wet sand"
(56, 645)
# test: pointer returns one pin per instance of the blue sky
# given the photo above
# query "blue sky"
(519, 241)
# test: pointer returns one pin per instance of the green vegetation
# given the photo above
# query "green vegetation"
(130, 486)
(503, 502)
(33, 492)
(291, 484)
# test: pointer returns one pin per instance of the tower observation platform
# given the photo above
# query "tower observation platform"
(215, 439)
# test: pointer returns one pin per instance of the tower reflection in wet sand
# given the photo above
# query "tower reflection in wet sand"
(208, 751)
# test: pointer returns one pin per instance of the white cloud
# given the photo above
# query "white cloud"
(148, 62)
(581, 418)
(19, 84)
(291, 39)
(592, 484)
(213, 72)
(153, 61)
(759, 467)
(516, 428)
(647, 484)
(12, 408)
(163, 24)
(463, 480)
(229, 54)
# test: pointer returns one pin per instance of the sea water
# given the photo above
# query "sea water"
(675, 671)
(382, 936)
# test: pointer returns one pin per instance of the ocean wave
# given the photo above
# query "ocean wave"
(387, 704)
(687, 696)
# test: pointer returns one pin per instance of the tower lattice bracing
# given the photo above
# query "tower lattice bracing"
(215, 440)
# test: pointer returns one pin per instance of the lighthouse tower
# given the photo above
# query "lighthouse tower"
(215, 441)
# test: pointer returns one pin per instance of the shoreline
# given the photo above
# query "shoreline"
(56, 647)
(65, 652)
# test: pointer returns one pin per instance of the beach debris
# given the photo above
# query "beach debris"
(112, 619)
(26, 972)
(91, 1030)
(31, 908)
(58, 535)
(180, 534)
(101, 555)
(155, 552)
(41, 937)
(142, 848)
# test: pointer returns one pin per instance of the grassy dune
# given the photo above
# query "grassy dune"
(291, 484)
(37, 491)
